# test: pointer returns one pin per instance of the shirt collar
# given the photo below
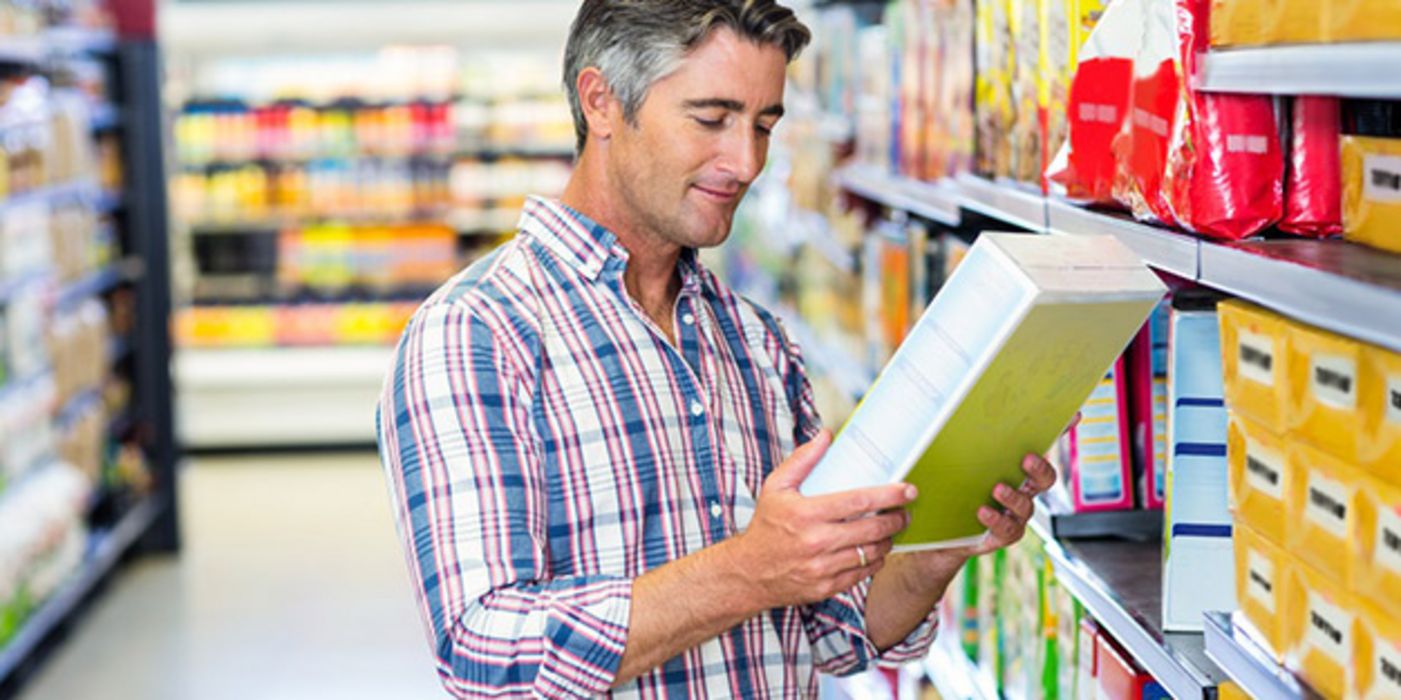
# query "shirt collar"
(578, 241)
(588, 246)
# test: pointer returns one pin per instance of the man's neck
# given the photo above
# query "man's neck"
(651, 276)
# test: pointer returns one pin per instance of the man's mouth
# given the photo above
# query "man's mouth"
(722, 196)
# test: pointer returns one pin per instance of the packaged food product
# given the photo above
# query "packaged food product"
(1313, 200)
(1261, 570)
(1293, 21)
(1225, 174)
(1025, 23)
(1324, 388)
(1065, 26)
(1380, 447)
(993, 102)
(1084, 168)
(1239, 22)
(1360, 20)
(1321, 513)
(1086, 686)
(1261, 478)
(1320, 626)
(1118, 677)
(1254, 348)
(1141, 149)
(1376, 546)
(1376, 675)
(1101, 461)
(1372, 191)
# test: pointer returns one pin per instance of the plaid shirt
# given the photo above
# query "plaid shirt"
(545, 445)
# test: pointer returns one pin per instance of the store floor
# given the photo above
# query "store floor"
(290, 585)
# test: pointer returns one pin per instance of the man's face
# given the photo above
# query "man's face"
(701, 138)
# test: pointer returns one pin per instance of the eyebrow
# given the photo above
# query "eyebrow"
(731, 105)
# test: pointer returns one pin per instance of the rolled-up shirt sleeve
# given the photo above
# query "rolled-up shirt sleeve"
(464, 470)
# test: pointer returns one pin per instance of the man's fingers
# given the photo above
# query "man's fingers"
(1002, 526)
(1016, 502)
(1040, 475)
(847, 559)
(791, 473)
(858, 502)
(875, 528)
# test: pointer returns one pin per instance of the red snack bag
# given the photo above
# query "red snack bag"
(1313, 192)
(1084, 168)
(1225, 175)
(1141, 149)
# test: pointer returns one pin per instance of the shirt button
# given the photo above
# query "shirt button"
(688, 319)
(697, 409)
(715, 510)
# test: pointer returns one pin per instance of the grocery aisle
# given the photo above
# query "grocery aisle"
(290, 584)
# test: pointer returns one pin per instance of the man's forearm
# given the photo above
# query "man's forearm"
(682, 604)
(903, 593)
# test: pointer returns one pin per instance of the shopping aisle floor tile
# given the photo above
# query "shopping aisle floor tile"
(291, 585)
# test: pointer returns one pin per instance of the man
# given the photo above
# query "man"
(590, 439)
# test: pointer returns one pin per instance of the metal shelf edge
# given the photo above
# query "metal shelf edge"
(1240, 659)
(1180, 681)
(1325, 299)
(62, 603)
(1171, 251)
(1000, 201)
(935, 201)
(1346, 70)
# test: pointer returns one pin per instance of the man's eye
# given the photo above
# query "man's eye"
(765, 130)
(710, 123)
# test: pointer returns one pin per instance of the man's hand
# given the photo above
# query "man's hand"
(1007, 526)
(800, 550)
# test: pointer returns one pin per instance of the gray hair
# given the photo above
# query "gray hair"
(635, 43)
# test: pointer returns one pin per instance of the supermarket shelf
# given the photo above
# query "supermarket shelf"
(24, 51)
(10, 287)
(812, 229)
(1056, 519)
(1172, 251)
(109, 201)
(1007, 202)
(100, 282)
(50, 195)
(76, 40)
(485, 152)
(1120, 585)
(953, 674)
(105, 117)
(1232, 644)
(1346, 70)
(105, 550)
(272, 224)
(262, 397)
(934, 201)
(82, 400)
(826, 357)
(1336, 285)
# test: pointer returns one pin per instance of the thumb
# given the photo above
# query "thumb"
(795, 469)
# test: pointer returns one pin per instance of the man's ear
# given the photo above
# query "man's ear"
(596, 99)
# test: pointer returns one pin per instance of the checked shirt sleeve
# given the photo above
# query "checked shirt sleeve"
(464, 471)
(836, 627)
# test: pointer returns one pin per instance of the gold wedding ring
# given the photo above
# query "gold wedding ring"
(862, 554)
